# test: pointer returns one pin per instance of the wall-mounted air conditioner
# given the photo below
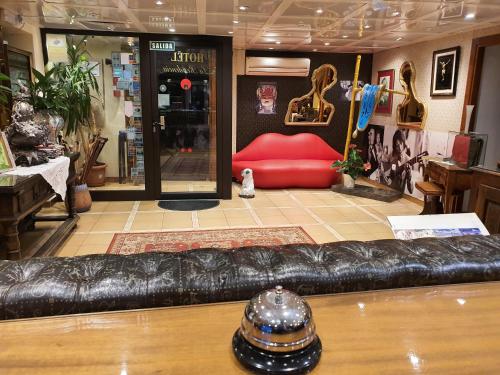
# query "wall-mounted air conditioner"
(277, 66)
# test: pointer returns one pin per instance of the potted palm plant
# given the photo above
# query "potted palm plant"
(5, 93)
(78, 88)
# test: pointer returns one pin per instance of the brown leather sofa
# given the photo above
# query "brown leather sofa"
(56, 286)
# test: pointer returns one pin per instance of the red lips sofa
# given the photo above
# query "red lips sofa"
(283, 161)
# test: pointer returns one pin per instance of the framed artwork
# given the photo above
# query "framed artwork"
(451, 9)
(385, 103)
(445, 72)
(267, 93)
(6, 159)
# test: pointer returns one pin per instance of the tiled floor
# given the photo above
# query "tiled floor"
(325, 215)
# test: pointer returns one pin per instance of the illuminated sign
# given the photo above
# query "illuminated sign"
(161, 46)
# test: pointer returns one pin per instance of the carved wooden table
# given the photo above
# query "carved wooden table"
(453, 179)
(451, 329)
(20, 197)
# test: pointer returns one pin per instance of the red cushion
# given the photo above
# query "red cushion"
(279, 174)
(283, 161)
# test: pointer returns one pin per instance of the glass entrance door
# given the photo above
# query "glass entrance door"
(185, 119)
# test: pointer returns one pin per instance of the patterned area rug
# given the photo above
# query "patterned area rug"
(134, 243)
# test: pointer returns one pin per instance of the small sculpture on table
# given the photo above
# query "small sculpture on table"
(247, 186)
(29, 133)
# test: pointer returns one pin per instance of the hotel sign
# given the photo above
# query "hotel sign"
(161, 46)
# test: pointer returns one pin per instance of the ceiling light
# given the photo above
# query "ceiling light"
(243, 7)
(399, 38)
(236, 21)
(166, 18)
(315, 50)
(395, 14)
(470, 16)
(172, 30)
(159, 2)
(367, 26)
(345, 36)
(271, 48)
(319, 11)
(327, 43)
(278, 42)
(229, 32)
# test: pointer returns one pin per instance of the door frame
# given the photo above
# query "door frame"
(223, 45)
(474, 75)
(223, 48)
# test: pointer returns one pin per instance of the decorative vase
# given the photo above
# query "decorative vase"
(83, 200)
(97, 175)
(348, 181)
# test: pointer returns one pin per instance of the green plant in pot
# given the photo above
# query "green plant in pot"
(78, 88)
(352, 167)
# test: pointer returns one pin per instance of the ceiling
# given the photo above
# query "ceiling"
(302, 25)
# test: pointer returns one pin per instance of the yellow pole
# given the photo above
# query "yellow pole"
(395, 92)
(353, 101)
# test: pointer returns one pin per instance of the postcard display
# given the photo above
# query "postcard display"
(126, 82)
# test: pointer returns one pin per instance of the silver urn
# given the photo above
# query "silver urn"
(277, 334)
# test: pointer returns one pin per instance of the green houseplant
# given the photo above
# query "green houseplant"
(352, 167)
(5, 93)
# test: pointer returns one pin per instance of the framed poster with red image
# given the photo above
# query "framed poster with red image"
(385, 103)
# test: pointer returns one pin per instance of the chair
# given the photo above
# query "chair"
(432, 197)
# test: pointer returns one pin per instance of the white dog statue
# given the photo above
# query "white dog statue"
(247, 187)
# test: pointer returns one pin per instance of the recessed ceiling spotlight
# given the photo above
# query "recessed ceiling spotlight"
(278, 42)
(399, 38)
(230, 32)
(327, 43)
(315, 50)
(345, 36)
(166, 18)
(319, 11)
(236, 21)
(367, 26)
(395, 13)
(243, 7)
(470, 16)
(172, 30)
(270, 48)
(159, 2)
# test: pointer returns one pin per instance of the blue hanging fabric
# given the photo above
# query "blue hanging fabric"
(369, 100)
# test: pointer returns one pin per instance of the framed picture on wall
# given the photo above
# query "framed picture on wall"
(267, 93)
(385, 104)
(445, 72)
(6, 159)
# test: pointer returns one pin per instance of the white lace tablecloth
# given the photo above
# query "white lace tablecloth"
(55, 172)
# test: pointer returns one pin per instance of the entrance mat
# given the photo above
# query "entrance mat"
(134, 243)
(189, 204)
(187, 167)
(384, 195)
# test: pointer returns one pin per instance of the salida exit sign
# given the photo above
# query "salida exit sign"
(161, 46)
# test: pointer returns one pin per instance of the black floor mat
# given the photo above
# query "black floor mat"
(189, 204)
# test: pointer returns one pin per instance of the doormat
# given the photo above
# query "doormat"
(189, 204)
(134, 243)
(186, 167)
(363, 191)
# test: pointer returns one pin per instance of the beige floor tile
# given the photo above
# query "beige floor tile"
(319, 233)
(241, 221)
(75, 240)
(92, 249)
(67, 251)
(348, 229)
(115, 218)
(377, 228)
(268, 211)
(149, 206)
(274, 220)
(99, 206)
(237, 214)
(97, 239)
(84, 227)
(108, 226)
(119, 206)
(147, 221)
(236, 202)
(210, 223)
(211, 215)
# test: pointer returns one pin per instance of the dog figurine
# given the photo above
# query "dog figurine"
(247, 187)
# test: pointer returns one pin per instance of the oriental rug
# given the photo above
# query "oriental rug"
(134, 243)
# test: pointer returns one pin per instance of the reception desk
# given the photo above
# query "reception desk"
(451, 329)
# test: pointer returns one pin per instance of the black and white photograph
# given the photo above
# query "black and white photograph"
(399, 158)
(373, 147)
(346, 87)
(445, 72)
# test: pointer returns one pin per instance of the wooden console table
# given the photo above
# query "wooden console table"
(20, 198)
(485, 197)
(453, 179)
(451, 329)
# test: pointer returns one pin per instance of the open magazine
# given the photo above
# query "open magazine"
(449, 225)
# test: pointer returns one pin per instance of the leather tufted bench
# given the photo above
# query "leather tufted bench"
(55, 286)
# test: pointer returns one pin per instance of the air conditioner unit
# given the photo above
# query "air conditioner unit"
(277, 66)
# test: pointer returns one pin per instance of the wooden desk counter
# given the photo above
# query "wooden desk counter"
(435, 330)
